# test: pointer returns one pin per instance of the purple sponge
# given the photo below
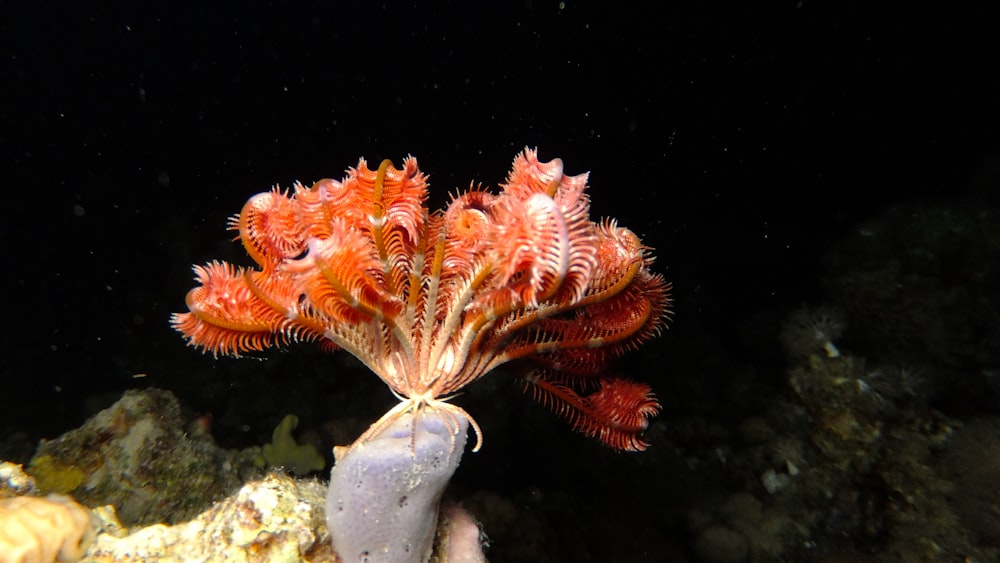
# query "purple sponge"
(382, 505)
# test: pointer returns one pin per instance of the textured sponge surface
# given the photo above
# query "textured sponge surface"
(382, 504)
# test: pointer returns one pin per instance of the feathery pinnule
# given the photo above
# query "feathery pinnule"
(430, 302)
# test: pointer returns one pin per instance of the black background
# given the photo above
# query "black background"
(739, 142)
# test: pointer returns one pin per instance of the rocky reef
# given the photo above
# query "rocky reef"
(149, 485)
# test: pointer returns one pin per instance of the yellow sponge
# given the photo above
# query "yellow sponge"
(37, 529)
(283, 451)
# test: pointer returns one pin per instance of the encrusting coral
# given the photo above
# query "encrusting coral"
(139, 456)
(273, 519)
(14, 482)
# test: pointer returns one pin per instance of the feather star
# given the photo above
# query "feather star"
(431, 302)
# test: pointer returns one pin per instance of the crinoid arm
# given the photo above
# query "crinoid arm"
(237, 310)
(616, 413)
(454, 417)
